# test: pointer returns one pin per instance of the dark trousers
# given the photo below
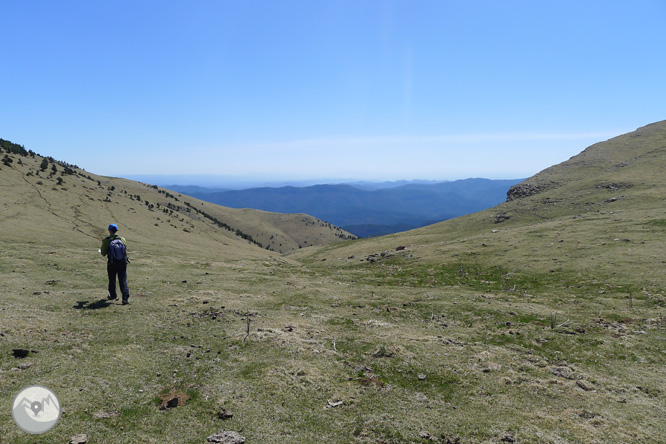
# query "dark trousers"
(120, 270)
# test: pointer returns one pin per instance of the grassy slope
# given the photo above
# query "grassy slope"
(526, 334)
(612, 190)
(587, 250)
(34, 206)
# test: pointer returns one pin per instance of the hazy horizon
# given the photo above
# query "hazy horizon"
(256, 181)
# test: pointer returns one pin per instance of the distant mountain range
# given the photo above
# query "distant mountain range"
(367, 209)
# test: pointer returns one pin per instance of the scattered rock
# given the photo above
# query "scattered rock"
(422, 377)
(225, 414)
(101, 414)
(20, 353)
(584, 385)
(501, 217)
(615, 186)
(79, 439)
(226, 437)
(523, 190)
(452, 342)
(563, 372)
(400, 248)
(426, 435)
(332, 404)
(508, 438)
(24, 366)
(384, 352)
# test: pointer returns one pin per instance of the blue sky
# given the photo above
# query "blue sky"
(374, 90)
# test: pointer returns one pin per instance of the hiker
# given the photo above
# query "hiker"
(114, 247)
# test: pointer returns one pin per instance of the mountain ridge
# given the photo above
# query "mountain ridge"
(378, 211)
(617, 182)
(61, 197)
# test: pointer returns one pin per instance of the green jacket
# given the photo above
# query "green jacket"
(107, 240)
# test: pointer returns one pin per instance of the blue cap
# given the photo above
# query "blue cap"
(113, 227)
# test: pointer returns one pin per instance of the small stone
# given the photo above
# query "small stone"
(79, 439)
(563, 372)
(584, 385)
(225, 414)
(422, 377)
(426, 435)
(101, 414)
(226, 437)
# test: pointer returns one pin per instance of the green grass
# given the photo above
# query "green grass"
(524, 329)
(316, 338)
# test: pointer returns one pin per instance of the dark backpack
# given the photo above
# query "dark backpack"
(117, 251)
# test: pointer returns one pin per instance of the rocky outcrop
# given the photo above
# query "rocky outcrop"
(523, 189)
(226, 437)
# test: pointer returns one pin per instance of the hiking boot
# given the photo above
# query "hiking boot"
(112, 298)
(125, 301)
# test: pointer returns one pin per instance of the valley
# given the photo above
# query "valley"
(540, 320)
(365, 209)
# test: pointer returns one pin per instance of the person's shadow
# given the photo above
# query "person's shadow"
(87, 305)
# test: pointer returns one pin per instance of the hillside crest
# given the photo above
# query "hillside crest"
(44, 197)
